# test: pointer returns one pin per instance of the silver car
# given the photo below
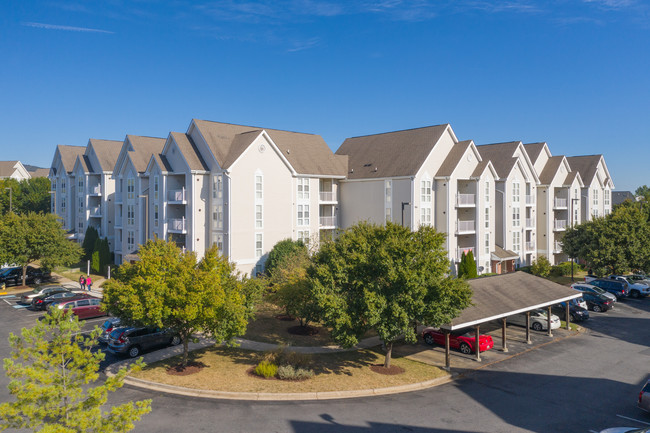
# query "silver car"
(538, 320)
(644, 397)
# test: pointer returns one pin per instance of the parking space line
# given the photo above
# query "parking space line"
(633, 419)
(7, 296)
(20, 306)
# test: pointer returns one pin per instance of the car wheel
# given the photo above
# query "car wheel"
(37, 280)
(175, 341)
(134, 351)
(464, 348)
(573, 318)
(537, 326)
(428, 338)
(635, 294)
(597, 308)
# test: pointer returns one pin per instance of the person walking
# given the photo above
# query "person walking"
(82, 282)
(89, 283)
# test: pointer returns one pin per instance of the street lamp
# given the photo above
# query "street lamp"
(10, 198)
(404, 203)
(573, 200)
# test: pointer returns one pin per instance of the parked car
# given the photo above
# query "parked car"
(589, 278)
(27, 298)
(626, 430)
(133, 341)
(597, 302)
(538, 320)
(44, 303)
(616, 288)
(644, 397)
(107, 327)
(14, 276)
(583, 287)
(639, 277)
(637, 288)
(463, 340)
(82, 308)
(37, 301)
(577, 310)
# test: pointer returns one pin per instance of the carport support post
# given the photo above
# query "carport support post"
(447, 354)
(477, 344)
(504, 344)
(548, 321)
(567, 316)
(528, 328)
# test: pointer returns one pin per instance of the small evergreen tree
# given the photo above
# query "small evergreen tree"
(462, 266)
(88, 245)
(470, 265)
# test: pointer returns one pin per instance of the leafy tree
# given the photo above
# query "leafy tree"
(168, 288)
(286, 247)
(541, 267)
(52, 370)
(643, 191)
(385, 278)
(33, 237)
(89, 243)
(30, 195)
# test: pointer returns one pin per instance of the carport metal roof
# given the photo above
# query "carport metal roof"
(503, 295)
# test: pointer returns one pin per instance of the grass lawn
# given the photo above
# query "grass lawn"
(578, 276)
(227, 370)
(73, 273)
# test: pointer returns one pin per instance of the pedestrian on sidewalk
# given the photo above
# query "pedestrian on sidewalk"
(82, 282)
(89, 283)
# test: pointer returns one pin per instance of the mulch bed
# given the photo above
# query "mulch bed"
(302, 330)
(285, 318)
(390, 371)
(191, 368)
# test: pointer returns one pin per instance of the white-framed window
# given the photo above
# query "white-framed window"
(217, 239)
(425, 216)
(388, 199)
(258, 245)
(62, 203)
(259, 216)
(259, 187)
(81, 204)
(487, 192)
(389, 216)
(516, 217)
(130, 188)
(80, 226)
(516, 191)
(155, 215)
(303, 235)
(217, 186)
(576, 214)
(595, 213)
(130, 240)
(303, 188)
(130, 214)
(80, 185)
(63, 185)
(487, 218)
(217, 216)
(487, 243)
(606, 198)
(156, 187)
(516, 241)
(595, 195)
(425, 191)
(303, 215)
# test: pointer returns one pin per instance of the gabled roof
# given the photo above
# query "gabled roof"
(453, 158)
(587, 166)
(8, 168)
(306, 153)
(189, 150)
(142, 149)
(391, 154)
(503, 159)
(503, 254)
(535, 149)
(485, 164)
(107, 152)
(573, 175)
(39, 172)
(69, 155)
(550, 169)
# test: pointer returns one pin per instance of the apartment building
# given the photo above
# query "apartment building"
(61, 181)
(596, 192)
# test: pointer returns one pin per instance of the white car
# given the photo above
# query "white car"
(538, 320)
(584, 287)
(637, 288)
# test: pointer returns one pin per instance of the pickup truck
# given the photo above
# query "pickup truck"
(637, 288)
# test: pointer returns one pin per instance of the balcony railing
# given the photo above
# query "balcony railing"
(530, 223)
(465, 250)
(559, 225)
(557, 247)
(177, 195)
(95, 211)
(465, 200)
(177, 225)
(560, 203)
(95, 190)
(530, 246)
(327, 196)
(328, 221)
(465, 226)
(530, 199)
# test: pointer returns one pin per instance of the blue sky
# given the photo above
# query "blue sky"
(573, 73)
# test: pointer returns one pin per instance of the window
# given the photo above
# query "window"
(155, 215)
(217, 217)
(487, 243)
(576, 217)
(516, 221)
(62, 203)
(487, 217)
(258, 216)
(425, 216)
(81, 204)
(303, 188)
(80, 185)
(595, 213)
(130, 214)
(62, 185)
(606, 197)
(388, 215)
(130, 240)
(130, 188)
(217, 239)
(487, 192)
(388, 187)
(155, 187)
(595, 198)
(217, 186)
(303, 214)
(303, 235)
(258, 245)
(80, 226)
(516, 241)
(258, 186)
(426, 191)
(516, 189)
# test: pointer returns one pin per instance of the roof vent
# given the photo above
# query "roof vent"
(288, 151)
(352, 170)
(367, 165)
(375, 169)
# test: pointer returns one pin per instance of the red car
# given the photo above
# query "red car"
(83, 308)
(463, 339)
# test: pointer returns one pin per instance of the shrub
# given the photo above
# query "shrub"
(541, 267)
(266, 369)
(283, 357)
(287, 372)
(565, 268)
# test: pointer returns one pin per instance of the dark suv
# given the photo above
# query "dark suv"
(617, 288)
(14, 276)
(133, 341)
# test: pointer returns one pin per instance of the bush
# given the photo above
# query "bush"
(488, 274)
(565, 269)
(266, 369)
(287, 372)
(283, 357)
(541, 267)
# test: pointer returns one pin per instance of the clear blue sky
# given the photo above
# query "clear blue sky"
(573, 73)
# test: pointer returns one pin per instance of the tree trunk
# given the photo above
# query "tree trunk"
(186, 351)
(389, 353)
(24, 279)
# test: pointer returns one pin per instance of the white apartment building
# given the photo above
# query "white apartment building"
(596, 194)
(62, 184)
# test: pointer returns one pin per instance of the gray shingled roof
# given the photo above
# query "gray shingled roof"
(503, 295)
(501, 155)
(453, 158)
(586, 165)
(7, 168)
(534, 150)
(571, 177)
(550, 169)
(69, 155)
(392, 154)
(143, 148)
(40, 172)
(504, 254)
(307, 153)
(107, 152)
(189, 151)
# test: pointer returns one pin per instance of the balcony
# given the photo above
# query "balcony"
(328, 221)
(465, 200)
(95, 212)
(177, 225)
(95, 190)
(560, 203)
(530, 246)
(559, 225)
(465, 227)
(530, 223)
(557, 247)
(327, 196)
(530, 200)
(177, 196)
(465, 250)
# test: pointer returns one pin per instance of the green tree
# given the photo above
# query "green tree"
(385, 278)
(89, 243)
(282, 249)
(462, 266)
(541, 267)
(471, 265)
(52, 370)
(30, 195)
(643, 191)
(168, 288)
(33, 237)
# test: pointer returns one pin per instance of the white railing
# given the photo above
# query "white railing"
(328, 221)
(465, 250)
(465, 199)
(557, 247)
(559, 224)
(97, 189)
(96, 211)
(118, 222)
(530, 246)
(466, 226)
(327, 196)
(177, 225)
(177, 195)
(560, 202)
(530, 199)
(530, 223)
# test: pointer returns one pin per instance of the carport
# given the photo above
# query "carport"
(500, 296)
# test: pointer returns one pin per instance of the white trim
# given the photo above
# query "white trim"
(376, 179)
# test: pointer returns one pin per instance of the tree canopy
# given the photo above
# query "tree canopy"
(30, 195)
(281, 250)
(168, 288)
(385, 278)
(52, 370)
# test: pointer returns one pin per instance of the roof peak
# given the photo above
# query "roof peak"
(401, 130)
